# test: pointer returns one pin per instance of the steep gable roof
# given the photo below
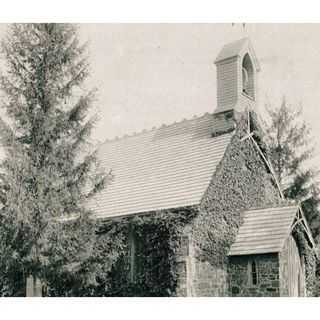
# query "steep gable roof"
(264, 230)
(168, 167)
(237, 48)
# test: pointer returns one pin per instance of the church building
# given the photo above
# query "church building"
(199, 205)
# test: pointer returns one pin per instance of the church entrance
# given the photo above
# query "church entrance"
(296, 277)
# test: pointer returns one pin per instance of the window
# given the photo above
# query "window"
(245, 80)
(247, 76)
(184, 246)
(132, 254)
(252, 273)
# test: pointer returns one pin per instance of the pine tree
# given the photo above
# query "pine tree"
(291, 149)
(50, 169)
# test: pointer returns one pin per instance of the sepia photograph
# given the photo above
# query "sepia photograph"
(159, 160)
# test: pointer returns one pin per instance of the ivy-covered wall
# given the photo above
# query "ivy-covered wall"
(241, 181)
(157, 267)
(183, 252)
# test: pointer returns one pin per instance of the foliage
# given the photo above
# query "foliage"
(50, 169)
(288, 139)
(291, 148)
(241, 181)
(91, 277)
(157, 238)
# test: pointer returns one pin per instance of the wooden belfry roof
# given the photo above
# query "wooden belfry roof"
(168, 167)
(265, 230)
(237, 48)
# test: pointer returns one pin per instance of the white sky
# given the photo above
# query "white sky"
(149, 74)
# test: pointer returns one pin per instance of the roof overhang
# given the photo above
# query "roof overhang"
(265, 230)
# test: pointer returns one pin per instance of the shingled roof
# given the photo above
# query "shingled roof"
(264, 230)
(168, 167)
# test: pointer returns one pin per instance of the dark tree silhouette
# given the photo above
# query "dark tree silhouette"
(49, 170)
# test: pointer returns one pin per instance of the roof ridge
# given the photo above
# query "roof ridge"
(135, 134)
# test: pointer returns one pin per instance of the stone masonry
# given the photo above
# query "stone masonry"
(267, 276)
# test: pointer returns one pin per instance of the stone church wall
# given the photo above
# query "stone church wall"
(241, 181)
(267, 276)
(183, 252)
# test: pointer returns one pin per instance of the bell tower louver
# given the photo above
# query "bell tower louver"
(237, 72)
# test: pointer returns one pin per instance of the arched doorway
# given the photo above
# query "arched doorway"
(296, 273)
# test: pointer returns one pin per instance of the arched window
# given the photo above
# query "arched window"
(252, 273)
(247, 76)
(245, 80)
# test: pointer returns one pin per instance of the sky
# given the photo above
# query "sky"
(150, 74)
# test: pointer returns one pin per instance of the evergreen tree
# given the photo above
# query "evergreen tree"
(291, 149)
(50, 169)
